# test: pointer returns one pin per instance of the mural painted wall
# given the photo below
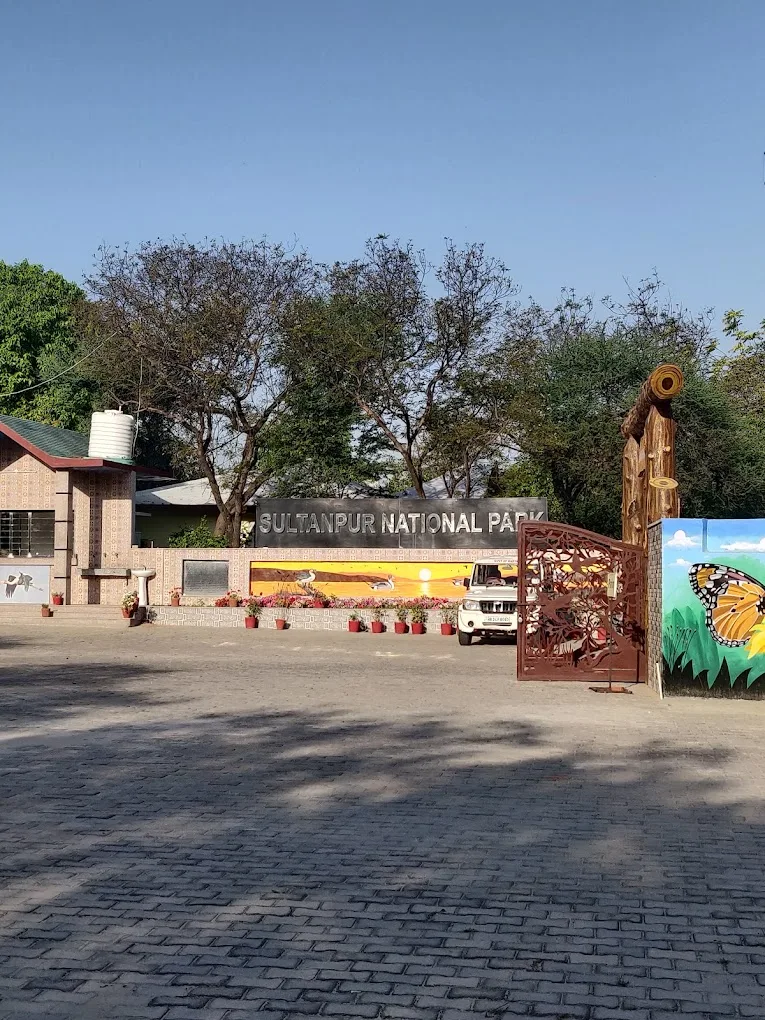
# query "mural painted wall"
(24, 584)
(713, 608)
(357, 578)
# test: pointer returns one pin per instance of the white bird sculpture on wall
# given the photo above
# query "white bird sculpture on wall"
(306, 578)
(383, 585)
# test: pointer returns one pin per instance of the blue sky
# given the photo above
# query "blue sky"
(688, 540)
(583, 142)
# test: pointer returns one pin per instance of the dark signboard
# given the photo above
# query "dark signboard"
(394, 523)
(205, 577)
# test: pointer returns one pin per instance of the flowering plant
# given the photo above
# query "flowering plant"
(253, 607)
(419, 613)
(174, 593)
(449, 614)
(402, 612)
(129, 600)
(284, 599)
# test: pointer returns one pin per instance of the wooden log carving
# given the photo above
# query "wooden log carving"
(663, 499)
(649, 489)
(664, 383)
(633, 492)
(659, 442)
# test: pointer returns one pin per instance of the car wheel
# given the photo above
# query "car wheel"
(463, 638)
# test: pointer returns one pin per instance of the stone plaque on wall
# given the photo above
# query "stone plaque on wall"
(205, 577)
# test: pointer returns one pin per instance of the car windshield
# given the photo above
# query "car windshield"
(491, 574)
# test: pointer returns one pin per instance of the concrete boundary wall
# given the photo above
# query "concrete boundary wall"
(168, 564)
(297, 619)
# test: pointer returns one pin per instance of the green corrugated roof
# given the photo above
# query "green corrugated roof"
(55, 442)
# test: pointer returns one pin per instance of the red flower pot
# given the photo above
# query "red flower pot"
(400, 627)
(418, 628)
(44, 611)
(447, 630)
(318, 604)
(250, 622)
(377, 626)
(233, 603)
(175, 602)
(58, 600)
(281, 624)
(127, 613)
(354, 626)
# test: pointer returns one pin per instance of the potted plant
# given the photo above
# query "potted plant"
(45, 610)
(354, 623)
(378, 616)
(419, 619)
(318, 600)
(129, 604)
(175, 597)
(252, 611)
(282, 600)
(402, 615)
(448, 619)
(234, 598)
(57, 598)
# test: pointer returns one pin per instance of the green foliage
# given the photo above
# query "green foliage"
(199, 537)
(524, 477)
(38, 340)
(567, 378)
(319, 445)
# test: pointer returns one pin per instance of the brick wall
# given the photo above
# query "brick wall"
(654, 620)
(25, 482)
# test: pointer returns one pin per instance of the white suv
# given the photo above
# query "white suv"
(490, 605)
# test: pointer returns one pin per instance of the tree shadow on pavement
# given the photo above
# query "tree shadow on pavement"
(35, 693)
(301, 863)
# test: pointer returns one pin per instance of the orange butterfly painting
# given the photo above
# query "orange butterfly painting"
(734, 602)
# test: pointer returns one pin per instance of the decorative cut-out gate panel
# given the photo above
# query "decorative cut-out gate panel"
(568, 628)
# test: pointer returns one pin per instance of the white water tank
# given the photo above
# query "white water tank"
(111, 436)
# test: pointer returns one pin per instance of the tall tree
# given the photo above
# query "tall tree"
(567, 376)
(198, 340)
(386, 344)
(320, 446)
(38, 345)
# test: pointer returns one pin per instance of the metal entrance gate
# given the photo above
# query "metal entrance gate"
(568, 628)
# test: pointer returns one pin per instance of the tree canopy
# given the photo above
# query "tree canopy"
(39, 344)
(252, 365)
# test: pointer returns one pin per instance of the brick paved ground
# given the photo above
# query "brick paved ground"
(212, 826)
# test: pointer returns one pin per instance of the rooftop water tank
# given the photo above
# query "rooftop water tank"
(111, 436)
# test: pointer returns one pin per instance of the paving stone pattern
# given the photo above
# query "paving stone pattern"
(199, 827)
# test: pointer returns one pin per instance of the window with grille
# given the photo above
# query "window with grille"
(26, 533)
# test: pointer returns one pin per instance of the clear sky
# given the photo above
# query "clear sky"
(582, 140)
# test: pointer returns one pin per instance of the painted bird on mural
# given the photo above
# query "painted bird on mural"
(306, 578)
(388, 585)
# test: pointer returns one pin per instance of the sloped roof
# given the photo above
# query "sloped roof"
(57, 448)
(53, 441)
(194, 493)
(197, 493)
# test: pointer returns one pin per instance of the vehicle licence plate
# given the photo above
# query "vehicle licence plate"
(503, 621)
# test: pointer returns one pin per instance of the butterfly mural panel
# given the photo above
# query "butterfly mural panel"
(713, 607)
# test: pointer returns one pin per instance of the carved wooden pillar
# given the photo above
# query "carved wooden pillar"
(633, 492)
(659, 439)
